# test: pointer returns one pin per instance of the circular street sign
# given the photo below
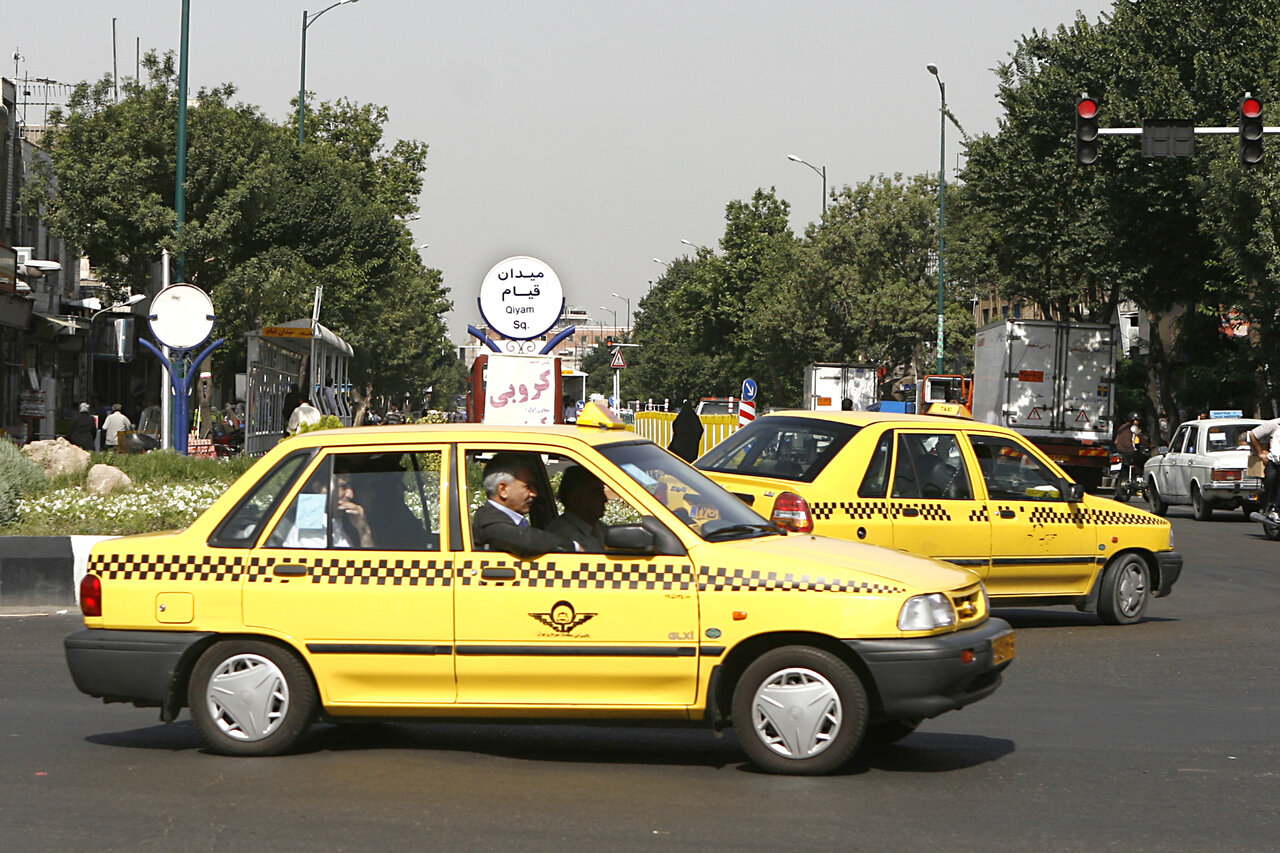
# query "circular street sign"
(749, 389)
(181, 316)
(521, 298)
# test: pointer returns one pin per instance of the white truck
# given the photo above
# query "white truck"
(1053, 382)
(826, 385)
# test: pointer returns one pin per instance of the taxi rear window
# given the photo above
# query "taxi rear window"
(785, 448)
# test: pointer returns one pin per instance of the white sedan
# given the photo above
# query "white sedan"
(1205, 465)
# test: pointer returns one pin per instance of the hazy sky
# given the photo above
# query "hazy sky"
(592, 134)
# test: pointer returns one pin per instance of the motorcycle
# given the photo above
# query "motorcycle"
(1270, 526)
(1125, 477)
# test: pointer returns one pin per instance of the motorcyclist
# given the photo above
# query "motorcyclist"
(1131, 444)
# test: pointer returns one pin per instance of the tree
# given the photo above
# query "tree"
(267, 219)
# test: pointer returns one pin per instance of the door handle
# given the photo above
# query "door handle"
(289, 569)
(1007, 513)
(910, 511)
(498, 574)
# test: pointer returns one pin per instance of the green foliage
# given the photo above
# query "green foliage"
(267, 219)
(19, 476)
(325, 422)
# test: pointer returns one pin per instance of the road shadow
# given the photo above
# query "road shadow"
(1039, 618)
(921, 752)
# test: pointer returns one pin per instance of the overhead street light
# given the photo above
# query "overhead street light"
(690, 243)
(795, 158)
(307, 21)
(661, 261)
(942, 206)
(628, 301)
(615, 316)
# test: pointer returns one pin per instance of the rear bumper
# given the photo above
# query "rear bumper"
(128, 666)
(923, 677)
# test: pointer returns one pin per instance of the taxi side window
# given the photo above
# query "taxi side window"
(1012, 473)
(1175, 444)
(371, 501)
(876, 480)
(1193, 439)
(930, 466)
(242, 525)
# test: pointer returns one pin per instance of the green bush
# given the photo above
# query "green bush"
(18, 476)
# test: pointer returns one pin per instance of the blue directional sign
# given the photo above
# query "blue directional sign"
(749, 389)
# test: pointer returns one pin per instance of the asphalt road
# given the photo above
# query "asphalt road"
(1158, 736)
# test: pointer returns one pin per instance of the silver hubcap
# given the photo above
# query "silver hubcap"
(796, 712)
(1130, 590)
(248, 697)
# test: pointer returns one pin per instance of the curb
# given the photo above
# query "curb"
(43, 570)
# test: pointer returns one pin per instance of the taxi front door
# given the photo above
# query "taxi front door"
(1041, 544)
(376, 619)
(575, 628)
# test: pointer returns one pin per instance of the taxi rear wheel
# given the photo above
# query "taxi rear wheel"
(248, 697)
(799, 710)
(1124, 593)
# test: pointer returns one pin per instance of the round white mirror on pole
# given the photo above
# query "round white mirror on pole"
(182, 316)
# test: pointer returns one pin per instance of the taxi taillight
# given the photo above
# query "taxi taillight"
(791, 512)
(1232, 475)
(91, 596)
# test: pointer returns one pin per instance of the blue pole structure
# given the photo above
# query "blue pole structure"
(180, 376)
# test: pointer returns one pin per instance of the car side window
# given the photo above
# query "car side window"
(876, 480)
(1012, 473)
(368, 501)
(1193, 439)
(930, 465)
(1179, 437)
(241, 527)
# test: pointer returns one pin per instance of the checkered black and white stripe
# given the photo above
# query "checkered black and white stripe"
(742, 580)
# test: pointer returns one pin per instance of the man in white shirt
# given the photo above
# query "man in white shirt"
(305, 414)
(1268, 431)
(112, 427)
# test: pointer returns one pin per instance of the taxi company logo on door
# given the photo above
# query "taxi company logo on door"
(562, 619)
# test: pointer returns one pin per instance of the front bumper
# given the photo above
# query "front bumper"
(923, 677)
(1169, 566)
(128, 666)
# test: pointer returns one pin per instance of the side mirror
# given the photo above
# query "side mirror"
(650, 536)
(1072, 492)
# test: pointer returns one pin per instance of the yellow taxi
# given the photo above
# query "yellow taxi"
(267, 613)
(966, 493)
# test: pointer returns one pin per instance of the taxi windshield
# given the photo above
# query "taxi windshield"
(705, 507)
(787, 448)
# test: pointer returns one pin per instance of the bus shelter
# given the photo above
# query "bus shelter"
(299, 355)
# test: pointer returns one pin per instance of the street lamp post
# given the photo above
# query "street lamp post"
(628, 301)
(302, 77)
(942, 205)
(823, 172)
(615, 316)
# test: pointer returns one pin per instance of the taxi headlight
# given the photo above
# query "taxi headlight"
(926, 612)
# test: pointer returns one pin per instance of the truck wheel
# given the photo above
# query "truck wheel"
(1200, 508)
(1124, 593)
(248, 697)
(799, 710)
(1154, 501)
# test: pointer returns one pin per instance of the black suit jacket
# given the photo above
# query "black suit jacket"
(494, 529)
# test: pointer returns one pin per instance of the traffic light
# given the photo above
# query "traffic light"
(1086, 131)
(1250, 130)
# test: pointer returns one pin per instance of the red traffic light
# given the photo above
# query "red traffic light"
(1088, 108)
(1251, 108)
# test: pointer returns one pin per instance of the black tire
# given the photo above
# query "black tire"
(799, 680)
(1120, 492)
(1154, 502)
(1200, 508)
(1125, 590)
(250, 697)
(889, 731)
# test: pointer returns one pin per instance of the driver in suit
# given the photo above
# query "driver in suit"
(501, 524)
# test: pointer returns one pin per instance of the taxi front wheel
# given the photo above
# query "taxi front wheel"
(1124, 593)
(251, 698)
(799, 710)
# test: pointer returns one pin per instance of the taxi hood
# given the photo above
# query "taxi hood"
(803, 555)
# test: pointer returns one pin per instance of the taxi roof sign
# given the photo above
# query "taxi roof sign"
(596, 415)
(951, 410)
